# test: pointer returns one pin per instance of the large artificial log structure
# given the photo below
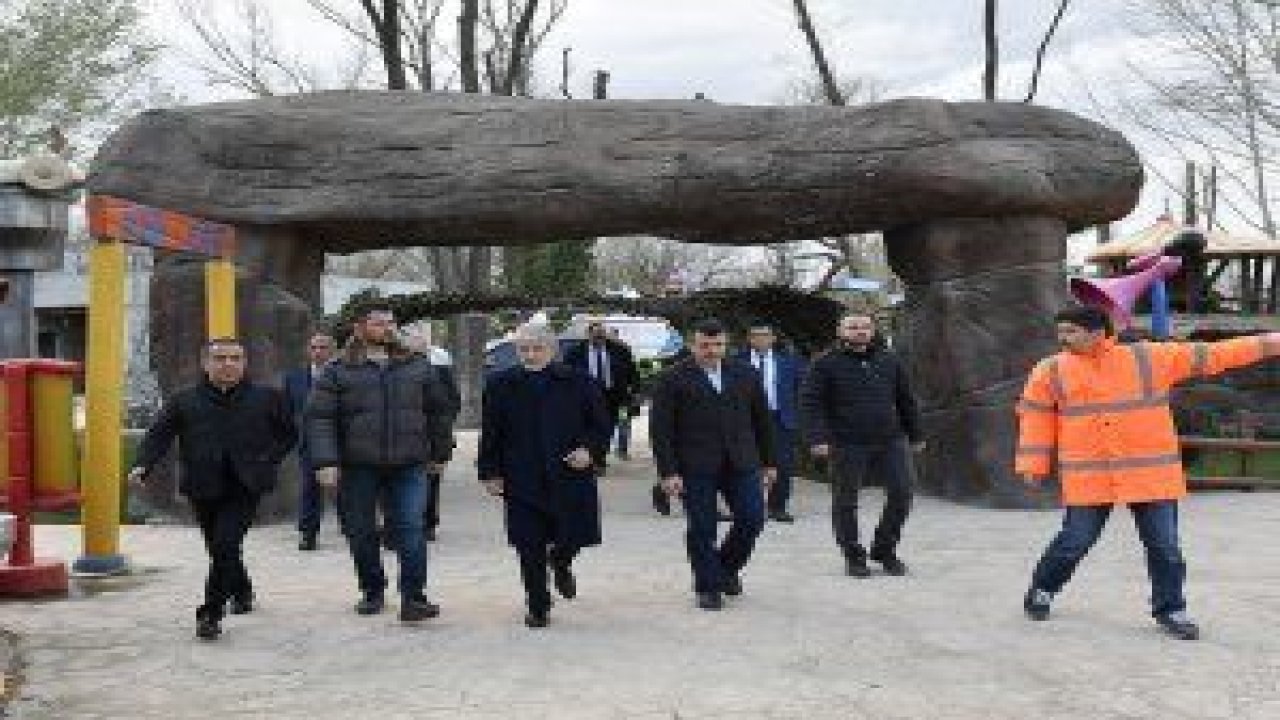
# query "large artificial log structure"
(976, 201)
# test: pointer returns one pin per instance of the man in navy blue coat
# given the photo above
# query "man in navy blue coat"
(711, 434)
(541, 422)
(297, 387)
(781, 373)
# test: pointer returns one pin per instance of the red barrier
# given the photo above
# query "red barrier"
(24, 574)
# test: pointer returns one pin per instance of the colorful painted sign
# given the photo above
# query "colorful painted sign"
(136, 224)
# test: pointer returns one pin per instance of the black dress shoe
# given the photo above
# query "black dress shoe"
(731, 585)
(710, 601)
(1037, 603)
(566, 584)
(242, 605)
(417, 609)
(388, 538)
(661, 501)
(536, 619)
(207, 628)
(856, 566)
(370, 605)
(781, 516)
(889, 561)
(308, 542)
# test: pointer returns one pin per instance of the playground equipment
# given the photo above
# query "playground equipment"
(1117, 296)
(37, 465)
(114, 223)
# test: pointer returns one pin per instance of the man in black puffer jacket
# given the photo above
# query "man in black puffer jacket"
(857, 409)
(379, 419)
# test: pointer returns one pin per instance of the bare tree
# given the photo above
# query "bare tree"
(650, 265)
(1043, 49)
(829, 85)
(1222, 100)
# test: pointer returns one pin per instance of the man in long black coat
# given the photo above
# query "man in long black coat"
(712, 434)
(232, 435)
(541, 421)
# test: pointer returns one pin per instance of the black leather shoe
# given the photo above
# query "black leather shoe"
(889, 561)
(566, 583)
(1179, 625)
(661, 501)
(308, 542)
(536, 619)
(417, 609)
(370, 605)
(710, 601)
(731, 585)
(207, 628)
(856, 566)
(242, 605)
(782, 516)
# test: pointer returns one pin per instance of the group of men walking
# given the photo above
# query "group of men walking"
(377, 422)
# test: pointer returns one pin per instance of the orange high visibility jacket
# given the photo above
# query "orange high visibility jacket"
(1104, 417)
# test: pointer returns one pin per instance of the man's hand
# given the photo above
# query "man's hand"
(769, 475)
(327, 477)
(673, 485)
(579, 459)
(138, 477)
(495, 486)
(821, 451)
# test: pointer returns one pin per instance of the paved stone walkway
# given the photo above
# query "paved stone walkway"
(803, 642)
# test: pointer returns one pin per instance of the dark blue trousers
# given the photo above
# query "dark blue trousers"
(1157, 524)
(743, 494)
(785, 452)
(404, 494)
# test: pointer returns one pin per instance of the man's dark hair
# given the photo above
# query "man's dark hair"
(212, 343)
(1086, 316)
(709, 327)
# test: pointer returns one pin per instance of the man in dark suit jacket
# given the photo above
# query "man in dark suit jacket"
(232, 435)
(781, 373)
(712, 435)
(297, 387)
(613, 366)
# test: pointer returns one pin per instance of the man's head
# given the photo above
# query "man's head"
(597, 332)
(417, 338)
(320, 348)
(1081, 327)
(224, 361)
(377, 325)
(857, 329)
(709, 342)
(761, 336)
(536, 345)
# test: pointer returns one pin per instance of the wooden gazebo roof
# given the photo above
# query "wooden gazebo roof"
(1156, 236)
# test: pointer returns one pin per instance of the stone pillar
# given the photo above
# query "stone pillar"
(981, 294)
(278, 293)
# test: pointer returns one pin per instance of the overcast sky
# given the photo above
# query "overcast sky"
(750, 51)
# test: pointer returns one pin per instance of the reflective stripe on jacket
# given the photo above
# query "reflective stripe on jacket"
(1104, 417)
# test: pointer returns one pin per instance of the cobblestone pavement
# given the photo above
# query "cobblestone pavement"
(949, 641)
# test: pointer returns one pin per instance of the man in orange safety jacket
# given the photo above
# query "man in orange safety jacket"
(1099, 413)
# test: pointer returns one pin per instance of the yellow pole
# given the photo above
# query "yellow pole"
(101, 471)
(220, 298)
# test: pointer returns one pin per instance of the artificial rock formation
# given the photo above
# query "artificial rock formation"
(975, 199)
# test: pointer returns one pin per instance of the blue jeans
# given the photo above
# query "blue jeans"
(1157, 524)
(744, 495)
(404, 493)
